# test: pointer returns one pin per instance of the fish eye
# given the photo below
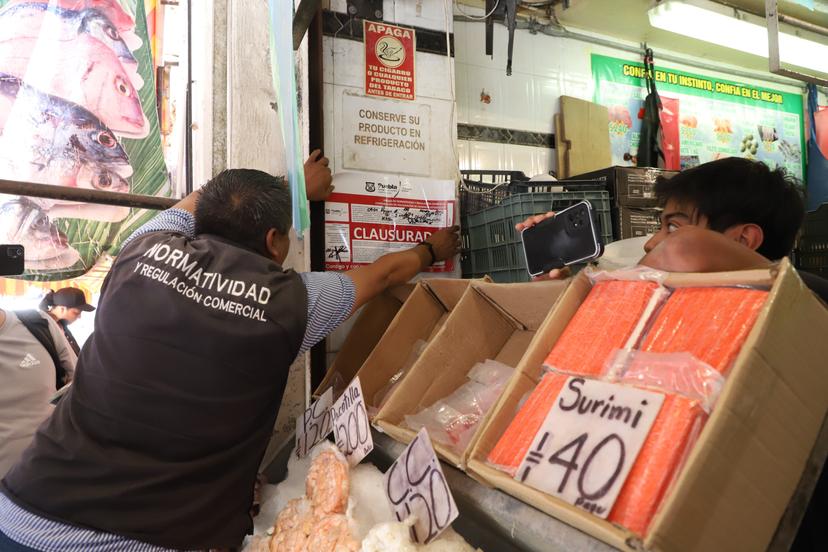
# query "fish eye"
(112, 32)
(40, 222)
(104, 181)
(122, 87)
(107, 140)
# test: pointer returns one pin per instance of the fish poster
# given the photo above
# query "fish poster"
(704, 118)
(78, 109)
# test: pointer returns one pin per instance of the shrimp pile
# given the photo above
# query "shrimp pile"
(317, 521)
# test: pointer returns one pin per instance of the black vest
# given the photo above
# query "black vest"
(174, 399)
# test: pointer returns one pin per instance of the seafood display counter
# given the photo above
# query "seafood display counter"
(489, 519)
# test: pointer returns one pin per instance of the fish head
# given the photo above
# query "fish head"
(26, 223)
(110, 94)
(99, 145)
(98, 26)
(99, 177)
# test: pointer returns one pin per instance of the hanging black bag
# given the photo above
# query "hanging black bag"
(649, 142)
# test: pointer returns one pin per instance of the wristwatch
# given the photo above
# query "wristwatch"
(430, 248)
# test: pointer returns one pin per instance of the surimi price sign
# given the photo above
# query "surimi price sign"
(371, 214)
(352, 431)
(415, 485)
(589, 442)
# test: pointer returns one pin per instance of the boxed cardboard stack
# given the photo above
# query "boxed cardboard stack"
(367, 330)
(635, 210)
(491, 321)
(418, 321)
(739, 477)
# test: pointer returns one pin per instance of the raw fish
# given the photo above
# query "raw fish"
(47, 139)
(110, 8)
(24, 222)
(83, 71)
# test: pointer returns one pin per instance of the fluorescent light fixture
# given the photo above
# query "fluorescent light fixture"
(717, 24)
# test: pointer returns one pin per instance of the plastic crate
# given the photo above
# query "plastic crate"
(481, 189)
(492, 246)
(812, 253)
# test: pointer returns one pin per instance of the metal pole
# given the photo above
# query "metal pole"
(305, 12)
(84, 195)
(774, 61)
(188, 132)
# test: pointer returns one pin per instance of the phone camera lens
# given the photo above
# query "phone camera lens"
(15, 252)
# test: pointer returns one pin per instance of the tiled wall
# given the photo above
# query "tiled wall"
(543, 69)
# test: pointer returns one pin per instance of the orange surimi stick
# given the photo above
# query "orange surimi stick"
(674, 430)
(709, 323)
(603, 323)
(515, 442)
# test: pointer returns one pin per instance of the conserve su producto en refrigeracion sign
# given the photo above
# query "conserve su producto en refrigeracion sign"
(371, 214)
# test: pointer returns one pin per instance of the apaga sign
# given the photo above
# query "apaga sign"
(389, 60)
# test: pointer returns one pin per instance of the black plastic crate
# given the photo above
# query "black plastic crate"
(492, 246)
(481, 189)
(812, 253)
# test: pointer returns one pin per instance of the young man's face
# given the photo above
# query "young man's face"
(674, 216)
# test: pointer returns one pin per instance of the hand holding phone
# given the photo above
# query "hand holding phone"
(569, 237)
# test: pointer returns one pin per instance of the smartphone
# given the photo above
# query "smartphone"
(570, 237)
(11, 260)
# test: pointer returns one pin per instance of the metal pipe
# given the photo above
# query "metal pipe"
(563, 33)
(84, 195)
(790, 20)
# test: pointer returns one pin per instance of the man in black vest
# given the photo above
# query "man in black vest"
(157, 444)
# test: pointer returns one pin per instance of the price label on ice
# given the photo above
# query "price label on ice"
(415, 485)
(350, 423)
(589, 442)
(314, 424)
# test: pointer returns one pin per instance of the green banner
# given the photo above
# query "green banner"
(77, 108)
(704, 119)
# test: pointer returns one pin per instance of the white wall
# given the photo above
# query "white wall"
(344, 70)
(543, 69)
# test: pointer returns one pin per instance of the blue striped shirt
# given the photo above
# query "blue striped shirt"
(331, 298)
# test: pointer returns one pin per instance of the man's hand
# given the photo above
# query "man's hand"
(695, 249)
(446, 243)
(555, 273)
(318, 177)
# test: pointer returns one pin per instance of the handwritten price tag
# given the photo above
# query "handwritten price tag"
(415, 485)
(589, 442)
(350, 423)
(314, 424)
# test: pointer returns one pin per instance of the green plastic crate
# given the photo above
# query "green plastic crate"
(492, 246)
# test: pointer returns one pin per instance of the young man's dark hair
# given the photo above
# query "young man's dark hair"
(242, 205)
(734, 191)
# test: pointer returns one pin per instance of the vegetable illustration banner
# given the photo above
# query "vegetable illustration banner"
(704, 118)
(77, 108)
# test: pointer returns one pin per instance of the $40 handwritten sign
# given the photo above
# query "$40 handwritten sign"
(350, 424)
(589, 442)
(415, 485)
(314, 425)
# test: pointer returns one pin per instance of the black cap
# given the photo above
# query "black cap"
(72, 298)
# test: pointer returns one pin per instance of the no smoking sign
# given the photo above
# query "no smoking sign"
(389, 60)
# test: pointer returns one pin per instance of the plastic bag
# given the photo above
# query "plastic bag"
(679, 373)
(637, 273)
(453, 420)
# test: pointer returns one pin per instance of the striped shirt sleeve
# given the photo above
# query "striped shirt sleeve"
(331, 297)
(171, 220)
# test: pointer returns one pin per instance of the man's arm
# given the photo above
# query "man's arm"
(696, 249)
(397, 268)
(67, 356)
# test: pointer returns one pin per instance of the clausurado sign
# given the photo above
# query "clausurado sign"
(416, 486)
(350, 424)
(589, 442)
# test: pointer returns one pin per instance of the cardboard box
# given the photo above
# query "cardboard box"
(634, 222)
(491, 321)
(420, 318)
(743, 470)
(629, 186)
(370, 324)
